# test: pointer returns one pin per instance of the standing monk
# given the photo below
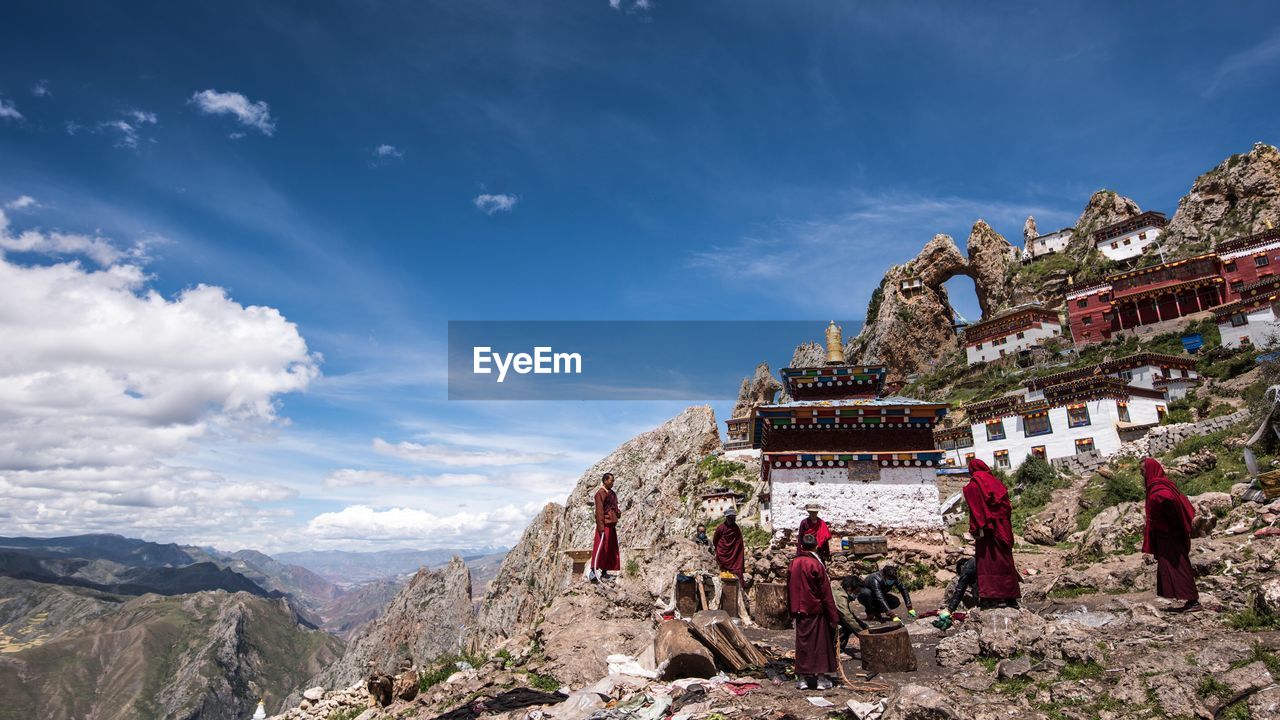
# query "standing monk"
(991, 524)
(1167, 536)
(727, 542)
(816, 526)
(809, 596)
(604, 548)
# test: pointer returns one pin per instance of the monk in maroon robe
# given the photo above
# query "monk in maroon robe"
(991, 524)
(814, 609)
(727, 543)
(1167, 536)
(604, 548)
(816, 526)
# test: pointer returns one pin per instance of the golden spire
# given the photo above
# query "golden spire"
(835, 345)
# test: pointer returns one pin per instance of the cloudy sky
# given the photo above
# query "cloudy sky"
(233, 233)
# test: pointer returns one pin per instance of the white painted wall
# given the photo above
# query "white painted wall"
(1051, 243)
(1103, 416)
(1263, 329)
(1135, 246)
(1031, 337)
(904, 497)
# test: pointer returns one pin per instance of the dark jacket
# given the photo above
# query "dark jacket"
(876, 584)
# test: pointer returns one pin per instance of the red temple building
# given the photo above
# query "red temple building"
(1248, 260)
(1145, 296)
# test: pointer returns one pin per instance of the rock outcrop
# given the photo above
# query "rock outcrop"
(653, 470)
(759, 389)
(1029, 230)
(1240, 196)
(1104, 208)
(428, 618)
(910, 319)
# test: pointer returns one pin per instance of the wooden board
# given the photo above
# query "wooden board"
(717, 630)
(687, 598)
(679, 654)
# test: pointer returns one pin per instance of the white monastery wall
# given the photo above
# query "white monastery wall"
(902, 497)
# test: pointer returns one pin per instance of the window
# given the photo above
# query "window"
(1128, 241)
(1038, 451)
(1239, 319)
(1126, 375)
(1115, 245)
(964, 441)
(1237, 286)
(1037, 424)
(1084, 445)
(1122, 411)
(1022, 336)
(1260, 261)
(979, 346)
(1141, 236)
(995, 430)
(1103, 297)
(1001, 352)
(1230, 266)
(1160, 412)
(1086, 320)
(1002, 459)
(968, 457)
(1082, 302)
(1245, 341)
(1078, 415)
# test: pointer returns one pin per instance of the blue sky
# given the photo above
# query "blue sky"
(373, 170)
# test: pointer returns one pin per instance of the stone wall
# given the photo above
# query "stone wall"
(899, 497)
(1164, 438)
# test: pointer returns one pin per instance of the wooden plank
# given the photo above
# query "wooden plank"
(679, 654)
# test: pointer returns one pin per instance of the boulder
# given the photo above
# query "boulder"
(313, 693)
(918, 702)
(1013, 668)
(1241, 196)
(759, 389)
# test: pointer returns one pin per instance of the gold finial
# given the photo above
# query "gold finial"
(835, 345)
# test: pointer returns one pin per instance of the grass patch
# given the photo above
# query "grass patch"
(989, 662)
(632, 568)
(444, 666)
(1238, 710)
(1210, 685)
(917, 576)
(1074, 592)
(725, 473)
(753, 536)
(1081, 671)
(546, 683)
(1263, 655)
(345, 714)
(1124, 485)
(1249, 619)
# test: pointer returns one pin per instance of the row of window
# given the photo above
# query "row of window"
(1083, 445)
(1038, 424)
(1129, 240)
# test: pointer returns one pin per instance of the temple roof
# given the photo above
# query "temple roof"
(891, 401)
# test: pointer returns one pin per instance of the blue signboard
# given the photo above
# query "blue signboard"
(1192, 343)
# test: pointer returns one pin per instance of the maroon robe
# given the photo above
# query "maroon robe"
(991, 524)
(818, 527)
(730, 553)
(604, 547)
(1167, 534)
(811, 603)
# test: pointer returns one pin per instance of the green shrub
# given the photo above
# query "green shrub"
(346, 714)
(753, 536)
(1210, 685)
(918, 575)
(546, 683)
(1080, 671)
(1249, 619)
(1124, 485)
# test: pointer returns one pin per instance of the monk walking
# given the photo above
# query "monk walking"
(727, 542)
(604, 548)
(817, 527)
(814, 609)
(1167, 536)
(991, 524)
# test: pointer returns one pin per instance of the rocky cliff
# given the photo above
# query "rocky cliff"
(204, 655)
(1104, 208)
(1240, 196)
(429, 617)
(759, 389)
(910, 319)
(654, 472)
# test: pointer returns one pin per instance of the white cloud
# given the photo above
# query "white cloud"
(142, 117)
(251, 114)
(388, 151)
(361, 523)
(9, 110)
(127, 134)
(455, 456)
(95, 247)
(490, 204)
(41, 89)
(632, 6)
(1245, 64)
(378, 478)
(104, 382)
(22, 202)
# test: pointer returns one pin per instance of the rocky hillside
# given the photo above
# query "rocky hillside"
(203, 655)
(428, 617)
(1240, 196)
